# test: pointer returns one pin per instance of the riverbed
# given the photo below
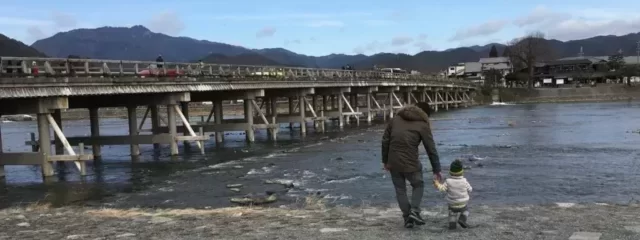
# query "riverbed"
(525, 154)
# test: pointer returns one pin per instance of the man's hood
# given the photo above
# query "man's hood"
(413, 113)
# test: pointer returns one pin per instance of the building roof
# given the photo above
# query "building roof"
(471, 67)
(631, 60)
(494, 60)
(498, 66)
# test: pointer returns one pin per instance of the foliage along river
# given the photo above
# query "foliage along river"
(530, 154)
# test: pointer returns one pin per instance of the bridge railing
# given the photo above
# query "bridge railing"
(71, 67)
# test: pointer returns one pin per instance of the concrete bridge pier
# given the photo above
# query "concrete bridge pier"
(248, 118)
(1, 151)
(133, 130)
(218, 118)
(94, 125)
(291, 111)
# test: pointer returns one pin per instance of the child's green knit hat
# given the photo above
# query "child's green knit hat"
(456, 168)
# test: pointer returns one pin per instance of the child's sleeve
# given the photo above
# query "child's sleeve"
(443, 187)
(469, 188)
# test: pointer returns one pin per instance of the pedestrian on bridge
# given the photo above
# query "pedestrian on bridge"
(400, 144)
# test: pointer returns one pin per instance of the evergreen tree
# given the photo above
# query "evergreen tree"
(616, 61)
(494, 52)
(506, 52)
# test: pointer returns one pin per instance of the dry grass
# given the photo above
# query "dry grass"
(517, 222)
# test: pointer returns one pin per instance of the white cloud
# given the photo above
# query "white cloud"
(401, 40)
(371, 47)
(538, 15)
(325, 23)
(484, 29)
(266, 32)
(377, 22)
(35, 33)
(62, 20)
(292, 16)
(422, 46)
(11, 21)
(580, 24)
(168, 23)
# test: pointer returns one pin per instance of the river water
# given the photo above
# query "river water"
(531, 154)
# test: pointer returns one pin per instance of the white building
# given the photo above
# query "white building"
(456, 70)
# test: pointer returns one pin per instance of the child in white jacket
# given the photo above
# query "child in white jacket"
(457, 189)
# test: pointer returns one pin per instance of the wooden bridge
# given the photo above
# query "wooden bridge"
(47, 86)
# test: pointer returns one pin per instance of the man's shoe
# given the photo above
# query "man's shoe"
(408, 223)
(462, 220)
(415, 216)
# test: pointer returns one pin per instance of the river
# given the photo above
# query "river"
(531, 154)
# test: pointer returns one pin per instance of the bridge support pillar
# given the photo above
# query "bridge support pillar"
(391, 96)
(248, 118)
(291, 111)
(45, 144)
(273, 101)
(340, 115)
(218, 117)
(184, 106)
(369, 117)
(133, 130)
(59, 149)
(303, 122)
(94, 122)
(155, 123)
(1, 151)
(173, 131)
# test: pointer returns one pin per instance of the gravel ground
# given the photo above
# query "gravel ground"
(509, 222)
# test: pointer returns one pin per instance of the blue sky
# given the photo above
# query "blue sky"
(330, 26)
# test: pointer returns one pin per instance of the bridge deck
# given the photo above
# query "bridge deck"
(39, 77)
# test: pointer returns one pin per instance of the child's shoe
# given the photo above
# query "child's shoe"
(462, 220)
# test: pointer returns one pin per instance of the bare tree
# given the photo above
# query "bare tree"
(525, 52)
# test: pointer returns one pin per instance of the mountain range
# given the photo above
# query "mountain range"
(139, 43)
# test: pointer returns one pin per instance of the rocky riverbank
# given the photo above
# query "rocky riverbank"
(313, 221)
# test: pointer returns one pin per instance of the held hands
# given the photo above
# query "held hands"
(386, 167)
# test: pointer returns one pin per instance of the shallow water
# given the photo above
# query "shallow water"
(534, 153)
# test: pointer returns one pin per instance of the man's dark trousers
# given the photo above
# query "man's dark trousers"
(400, 183)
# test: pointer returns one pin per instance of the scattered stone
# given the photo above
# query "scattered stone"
(201, 227)
(21, 217)
(633, 228)
(238, 167)
(254, 200)
(234, 189)
(238, 185)
(565, 205)
(124, 235)
(585, 236)
(466, 167)
(77, 236)
(333, 230)
(479, 165)
(338, 159)
(23, 224)
(158, 219)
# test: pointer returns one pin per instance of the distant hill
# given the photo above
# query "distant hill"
(138, 43)
(242, 59)
(287, 57)
(134, 43)
(15, 48)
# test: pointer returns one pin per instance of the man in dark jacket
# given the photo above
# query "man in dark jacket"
(400, 145)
